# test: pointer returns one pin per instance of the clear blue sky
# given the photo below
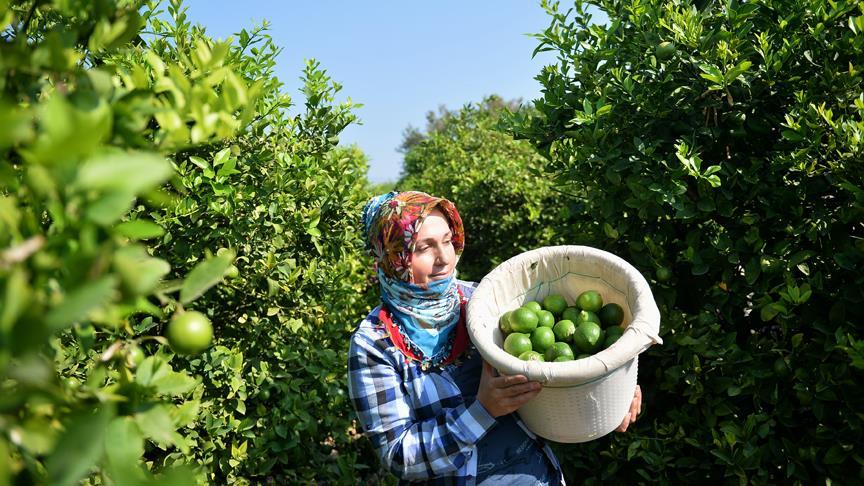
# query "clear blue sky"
(399, 59)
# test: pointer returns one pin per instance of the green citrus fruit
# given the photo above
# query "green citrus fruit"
(531, 356)
(611, 315)
(517, 343)
(232, 272)
(590, 300)
(564, 331)
(545, 319)
(534, 306)
(190, 333)
(542, 339)
(612, 334)
(571, 314)
(504, 323)
(663, 274)
(523, 320)
(587, 336)
(555, 304)
(134, 356)
(559, 350)
(264, 394)
(587, 316)
(665, 50)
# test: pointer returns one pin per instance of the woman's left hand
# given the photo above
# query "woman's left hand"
(635, 408)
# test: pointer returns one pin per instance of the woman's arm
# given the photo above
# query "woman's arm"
(409, 448)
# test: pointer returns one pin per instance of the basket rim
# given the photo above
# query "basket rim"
(639, 335)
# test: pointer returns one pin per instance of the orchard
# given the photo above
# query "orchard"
(181, 266)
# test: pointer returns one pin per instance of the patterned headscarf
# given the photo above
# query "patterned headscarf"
(426, 314)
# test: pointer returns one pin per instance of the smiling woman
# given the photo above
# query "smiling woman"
(430, 405)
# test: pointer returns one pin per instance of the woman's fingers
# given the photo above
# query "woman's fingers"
(516, 400)
(636, 406)
(509, 380)
(516, 390)
(624, 424)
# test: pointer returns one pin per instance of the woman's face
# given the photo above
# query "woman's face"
(434, 256)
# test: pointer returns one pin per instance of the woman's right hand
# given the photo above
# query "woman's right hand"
(503, 394)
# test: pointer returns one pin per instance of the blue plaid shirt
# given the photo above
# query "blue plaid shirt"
(418, 422)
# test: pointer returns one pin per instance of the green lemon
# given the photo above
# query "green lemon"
(559, 350)
(665, 50)
(663, 274)
(190, 332)
(590, 300)
(504, 323)
(587, 336)
(545, 319)
(611, 315)
(555, 304)
(531, 356)
(584, 316)
(517, 343)
(564, 331)
(523, 320)
(134, 356)
(534, 306)
(232, 272)
(542, 339)
(571, 314)
(612, 335)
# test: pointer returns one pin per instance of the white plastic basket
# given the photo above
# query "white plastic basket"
(584, 399)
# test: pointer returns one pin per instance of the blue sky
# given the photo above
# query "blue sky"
(399, 59)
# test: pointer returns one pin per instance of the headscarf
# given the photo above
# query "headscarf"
(425, 314)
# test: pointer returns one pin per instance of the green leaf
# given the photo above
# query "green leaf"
(15, 299)
(81, 446)
(186, 413)
(711, 73)
(124, 444)
(157, 373)
(835, 455)
(140, 272)
(127, 172)
(205, 275)
(156, 424)
(736, 71)
(139, 229)
(109, 208)
(77, 304)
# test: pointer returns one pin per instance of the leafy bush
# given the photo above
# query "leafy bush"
(98, 252)
(506, 205)
(723, 144)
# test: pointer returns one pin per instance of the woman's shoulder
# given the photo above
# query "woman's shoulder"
(370, 326)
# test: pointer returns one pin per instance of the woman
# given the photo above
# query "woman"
(433, 409)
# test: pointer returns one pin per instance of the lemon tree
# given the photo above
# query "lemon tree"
(716, 146)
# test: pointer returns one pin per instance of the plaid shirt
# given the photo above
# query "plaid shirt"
(418, 422)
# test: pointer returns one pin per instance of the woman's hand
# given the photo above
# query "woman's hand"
(635, 408)
(501, 395)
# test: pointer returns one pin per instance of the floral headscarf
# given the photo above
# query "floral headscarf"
(391, 223)
(427, 314)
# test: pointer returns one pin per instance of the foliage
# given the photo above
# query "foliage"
(98, 114)
(507, 207)
(734, 159)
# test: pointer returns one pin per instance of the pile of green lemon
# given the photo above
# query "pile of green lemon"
(554, 331)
